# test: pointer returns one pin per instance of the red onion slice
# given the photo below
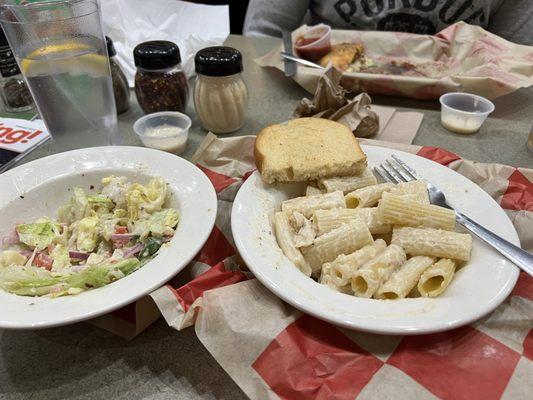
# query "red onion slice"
(78, 255)
(131, 251)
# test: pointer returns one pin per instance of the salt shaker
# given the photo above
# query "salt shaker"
(220, 94)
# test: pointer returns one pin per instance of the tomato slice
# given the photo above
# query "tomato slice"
(121, 229)
(41, 260)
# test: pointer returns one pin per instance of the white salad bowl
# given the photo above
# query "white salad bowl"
(38, 188)
(477, 288)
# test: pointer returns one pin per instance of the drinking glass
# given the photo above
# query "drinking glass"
(62, 54)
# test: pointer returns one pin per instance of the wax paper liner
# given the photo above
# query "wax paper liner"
(460, 58)
(330, 102)
(273, 351)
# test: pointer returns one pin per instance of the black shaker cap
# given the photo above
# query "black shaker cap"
(218, 61)
(156, 54)
(111, 52)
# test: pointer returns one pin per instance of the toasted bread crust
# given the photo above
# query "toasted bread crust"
(326, 149)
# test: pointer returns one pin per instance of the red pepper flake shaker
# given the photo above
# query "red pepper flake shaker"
(160, 84)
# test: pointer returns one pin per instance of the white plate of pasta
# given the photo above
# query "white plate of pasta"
(376, 257)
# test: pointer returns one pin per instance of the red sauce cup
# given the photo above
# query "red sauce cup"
(315, 43)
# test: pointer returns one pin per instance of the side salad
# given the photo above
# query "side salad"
(96, 239)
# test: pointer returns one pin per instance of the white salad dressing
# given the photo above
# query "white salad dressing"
(167, 138)
(461, 124)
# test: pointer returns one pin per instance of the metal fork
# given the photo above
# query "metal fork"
(397, 171)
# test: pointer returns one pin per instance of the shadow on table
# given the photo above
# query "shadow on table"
(83, 361)
(514, 106)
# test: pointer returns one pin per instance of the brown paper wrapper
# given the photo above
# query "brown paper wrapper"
(330, 102)
(461, 58)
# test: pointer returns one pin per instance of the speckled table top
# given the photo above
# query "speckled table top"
(83, 362)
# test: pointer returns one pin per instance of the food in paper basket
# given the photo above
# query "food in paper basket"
(351, 57)
(307, 149)
(460, 58)
(96, 239)
(358, 236)
(343, 55)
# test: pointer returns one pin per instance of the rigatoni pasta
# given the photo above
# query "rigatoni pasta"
(348, 183)
(327, 220)
(344, 266)
(326, 278)
(367, 196)
(397, 210)
(334, 234)
(284, 236)
(417, 189)
(405, 279)
(367, 279)
(436, 278)
(307, 204)
(343, 240)
(370, 217)
(433, 242)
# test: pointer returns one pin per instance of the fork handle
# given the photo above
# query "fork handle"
(520, 257)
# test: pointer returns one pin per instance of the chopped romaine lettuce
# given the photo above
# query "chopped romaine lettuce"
(99, 203)
(32, 281)
(115, 187)
(99, 199)
(142, 200)
(39, 234)
(11, 257)
(160, 223)
(28, 281)
(87, 233)
(61, 258)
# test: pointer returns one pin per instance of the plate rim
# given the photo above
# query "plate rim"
(211, 197)
(331, 318)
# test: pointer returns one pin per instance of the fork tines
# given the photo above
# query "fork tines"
(396, 171)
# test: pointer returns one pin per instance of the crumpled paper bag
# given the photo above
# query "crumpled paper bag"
(330, 102)
(460, 58)
(130, 22)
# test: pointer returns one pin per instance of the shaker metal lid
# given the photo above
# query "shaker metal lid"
(156, 54)
(111, 52)
(218, 61)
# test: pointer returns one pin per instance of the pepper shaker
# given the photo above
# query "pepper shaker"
(121, 89)
(13, 89)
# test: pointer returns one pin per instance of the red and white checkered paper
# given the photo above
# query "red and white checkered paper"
(273, 351)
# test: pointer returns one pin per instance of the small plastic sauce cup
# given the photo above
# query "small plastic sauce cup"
(464, 112)
(315, 43)
(165, 130)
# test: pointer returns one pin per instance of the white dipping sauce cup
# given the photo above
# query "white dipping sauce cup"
(176, 143)
(464, 112)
